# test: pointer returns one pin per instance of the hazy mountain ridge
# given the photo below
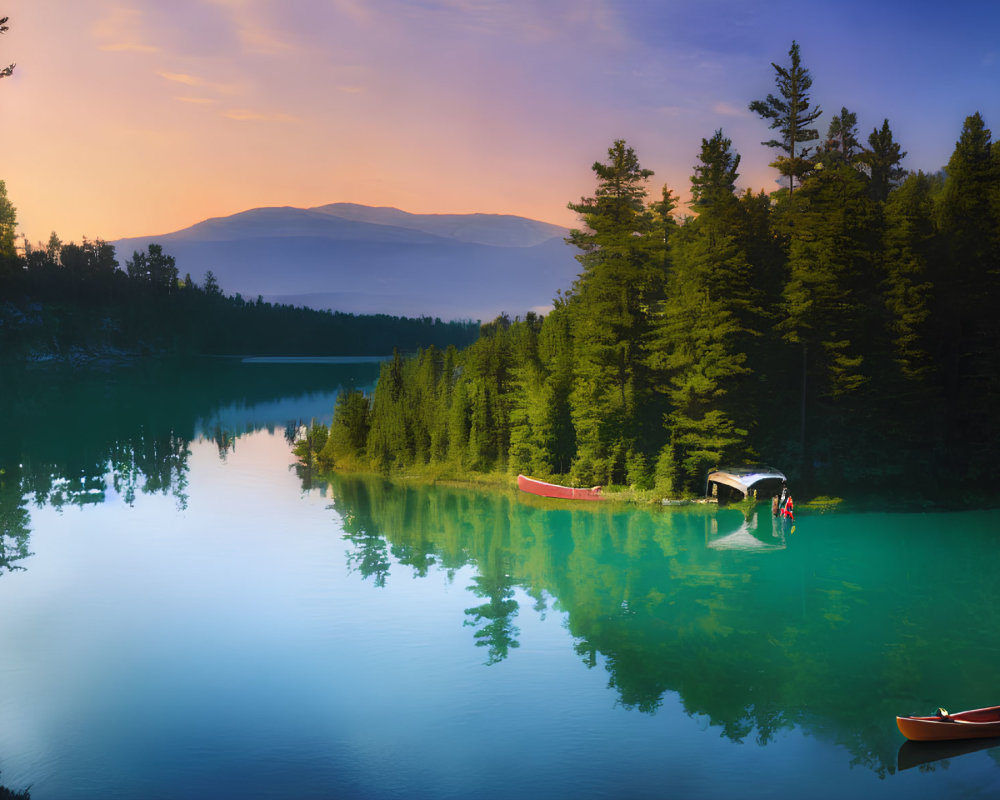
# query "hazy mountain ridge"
(363, 259)
(501, 230)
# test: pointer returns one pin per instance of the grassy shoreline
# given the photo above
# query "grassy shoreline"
(501, 481)
(438, 475)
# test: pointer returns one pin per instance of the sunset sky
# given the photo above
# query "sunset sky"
(141, 117)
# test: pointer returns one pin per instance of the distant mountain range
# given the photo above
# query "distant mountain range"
(367, 260)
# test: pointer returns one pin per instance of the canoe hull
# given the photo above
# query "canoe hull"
(982, 723)
(543, 489)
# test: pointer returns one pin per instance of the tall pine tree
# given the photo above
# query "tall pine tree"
(967, 280)
(882, 159)
(699, 343)
(623, 276)
(790, 114)
(833, 312)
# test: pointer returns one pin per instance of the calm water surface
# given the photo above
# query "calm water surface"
(186, 614)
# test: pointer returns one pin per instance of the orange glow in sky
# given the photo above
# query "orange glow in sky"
(141, 117)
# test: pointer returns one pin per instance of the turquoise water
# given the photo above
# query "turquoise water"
(187, 614)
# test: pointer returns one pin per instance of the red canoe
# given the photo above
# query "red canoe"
(531, 486)
(977, 724)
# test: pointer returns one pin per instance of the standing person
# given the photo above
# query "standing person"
(786, 509)
(780, 506)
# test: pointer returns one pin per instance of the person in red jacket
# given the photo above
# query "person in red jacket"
(786, 509)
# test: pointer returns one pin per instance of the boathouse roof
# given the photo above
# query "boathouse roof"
(748, 479)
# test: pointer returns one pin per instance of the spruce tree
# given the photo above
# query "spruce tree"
(528, 450)
(439, 426)
(554, 427)
(664, 226)
(715, 175)
(910, 399)
(832, 306)
(486, 379)
(701, 334)
(622, 277)
(8, 225)
(791, 116)
(349, 430)
(908, 252)
(882, 158)
(422, 377)
(967, 283)
(842, 145)
(458, 425)
(697, 353)
(389, 443)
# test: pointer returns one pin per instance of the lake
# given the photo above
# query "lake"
(189, 614)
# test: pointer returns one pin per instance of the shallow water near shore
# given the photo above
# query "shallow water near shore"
(186, 613)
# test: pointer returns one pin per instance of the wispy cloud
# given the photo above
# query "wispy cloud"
(120, 31)
(354, 10)
(181, 77)
(257, 39)
(538, 22)
(253, 34)
(728, 110)
(194, 81)
(246, 115)
(205, 101)
(129, 47)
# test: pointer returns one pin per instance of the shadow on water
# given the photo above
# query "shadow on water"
(924, 754)
(756, 629)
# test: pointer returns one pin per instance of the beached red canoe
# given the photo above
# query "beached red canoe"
(977, 724)
(543, 489)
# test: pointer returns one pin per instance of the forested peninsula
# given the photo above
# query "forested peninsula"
(842, 328)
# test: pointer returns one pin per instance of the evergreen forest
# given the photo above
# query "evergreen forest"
(841, 328)
(75, 301)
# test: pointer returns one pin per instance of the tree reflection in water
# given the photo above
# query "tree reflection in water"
(496, 616)
(9, 794)
(131, 429)
(756, 630)
(14, 521)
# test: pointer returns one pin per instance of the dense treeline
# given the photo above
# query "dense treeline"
(841, 328)
(64, 296)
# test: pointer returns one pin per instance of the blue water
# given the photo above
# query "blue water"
(249, 630)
